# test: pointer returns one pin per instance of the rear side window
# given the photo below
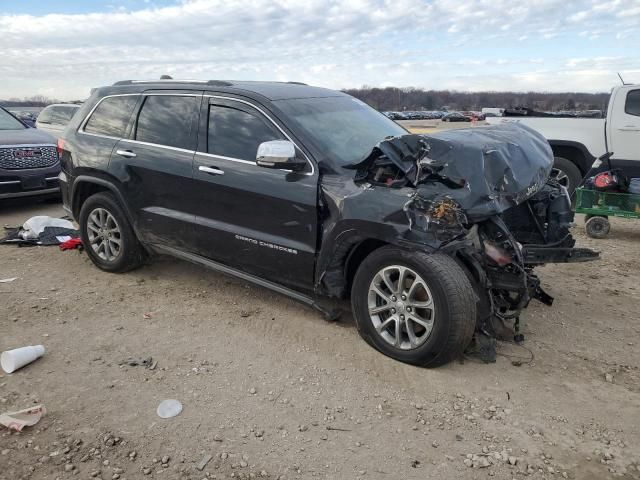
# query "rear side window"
(112, 116)
(168, 120)
(235, 133)
(632, 105)
(57, 115)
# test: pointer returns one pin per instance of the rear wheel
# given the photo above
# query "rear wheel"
(597, 227)
(413, 307)
(566, 174)
(107, 235)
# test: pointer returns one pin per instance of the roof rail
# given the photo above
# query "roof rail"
(298, 83)
(218, 83)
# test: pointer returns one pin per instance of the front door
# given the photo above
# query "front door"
(259, 220)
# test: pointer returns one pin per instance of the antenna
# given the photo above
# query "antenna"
(620, 76)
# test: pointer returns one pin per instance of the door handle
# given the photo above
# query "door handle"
(211, 170)
(629, 128)
(126, 153)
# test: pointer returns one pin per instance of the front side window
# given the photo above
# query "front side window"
(632, 105)
(9, 122)
(168, 120)
(236, 133)
(111, 117)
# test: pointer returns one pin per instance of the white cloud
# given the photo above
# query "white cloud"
(469, 45)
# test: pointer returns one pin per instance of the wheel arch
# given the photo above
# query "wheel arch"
(575, 152)
(85, 186)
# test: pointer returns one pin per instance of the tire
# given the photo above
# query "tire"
(597, 227)
(130, 253)
(567, 173)
(452, 315)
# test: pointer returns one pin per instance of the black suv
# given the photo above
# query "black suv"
(28, 160)
(313, 194)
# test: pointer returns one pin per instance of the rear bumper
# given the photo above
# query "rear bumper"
(29, 182)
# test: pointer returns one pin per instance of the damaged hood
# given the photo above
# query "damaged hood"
(484, 170)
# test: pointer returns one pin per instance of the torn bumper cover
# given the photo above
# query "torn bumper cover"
(481, 195)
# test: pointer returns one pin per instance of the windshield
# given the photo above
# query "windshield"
(9, 122)
(345, 128)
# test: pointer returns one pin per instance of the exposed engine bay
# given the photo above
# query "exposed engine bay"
(483, 196)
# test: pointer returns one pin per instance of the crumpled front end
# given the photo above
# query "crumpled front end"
(481, 195)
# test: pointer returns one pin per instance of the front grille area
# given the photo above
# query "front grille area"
(36, 156)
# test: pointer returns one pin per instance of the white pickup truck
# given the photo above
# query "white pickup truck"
(577, 142)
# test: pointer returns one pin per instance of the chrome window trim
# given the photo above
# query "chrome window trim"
(168, 147)
(274, 124)
(231, 159)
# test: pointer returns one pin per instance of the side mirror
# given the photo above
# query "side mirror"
(279, 154)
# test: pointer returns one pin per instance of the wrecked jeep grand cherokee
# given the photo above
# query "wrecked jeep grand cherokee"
(313, 194)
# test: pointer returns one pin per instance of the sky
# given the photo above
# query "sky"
(64, 48)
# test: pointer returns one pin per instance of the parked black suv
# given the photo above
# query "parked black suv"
(313, 194)
(28, 160)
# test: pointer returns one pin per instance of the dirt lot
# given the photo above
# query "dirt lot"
(272, 390)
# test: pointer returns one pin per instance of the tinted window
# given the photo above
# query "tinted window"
(112, 116)
(8, 122)
(237, 134)
(632, 105)
(167, 120)
(342, 127)
(57, 115)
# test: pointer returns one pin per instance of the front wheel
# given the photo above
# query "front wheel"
(414, 307)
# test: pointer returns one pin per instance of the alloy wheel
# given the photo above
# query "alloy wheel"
(401, 307)
(104, 234)
(560, 176)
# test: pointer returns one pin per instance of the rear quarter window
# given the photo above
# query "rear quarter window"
(632, 104)
(111, 116)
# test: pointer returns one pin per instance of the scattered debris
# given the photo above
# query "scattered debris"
(22, 418)
(203, 463)
(169, 408)
(41, 230)
(71, 244)
(139, 362)
(12, 360)
(8, 280)
(336, 429)
(608, 377)
(147, 315)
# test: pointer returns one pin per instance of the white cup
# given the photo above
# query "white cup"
(12, 360)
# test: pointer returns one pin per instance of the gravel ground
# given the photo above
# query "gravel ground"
(271, 390)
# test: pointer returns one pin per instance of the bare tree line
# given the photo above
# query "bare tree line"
(399, 99)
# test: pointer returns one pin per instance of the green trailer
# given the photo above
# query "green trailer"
(599, 206)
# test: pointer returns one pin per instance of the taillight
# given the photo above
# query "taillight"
(603, 180)
(60, 147)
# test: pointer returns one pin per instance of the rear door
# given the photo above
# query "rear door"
(156, 163)
(259, 220)
(625, 125)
